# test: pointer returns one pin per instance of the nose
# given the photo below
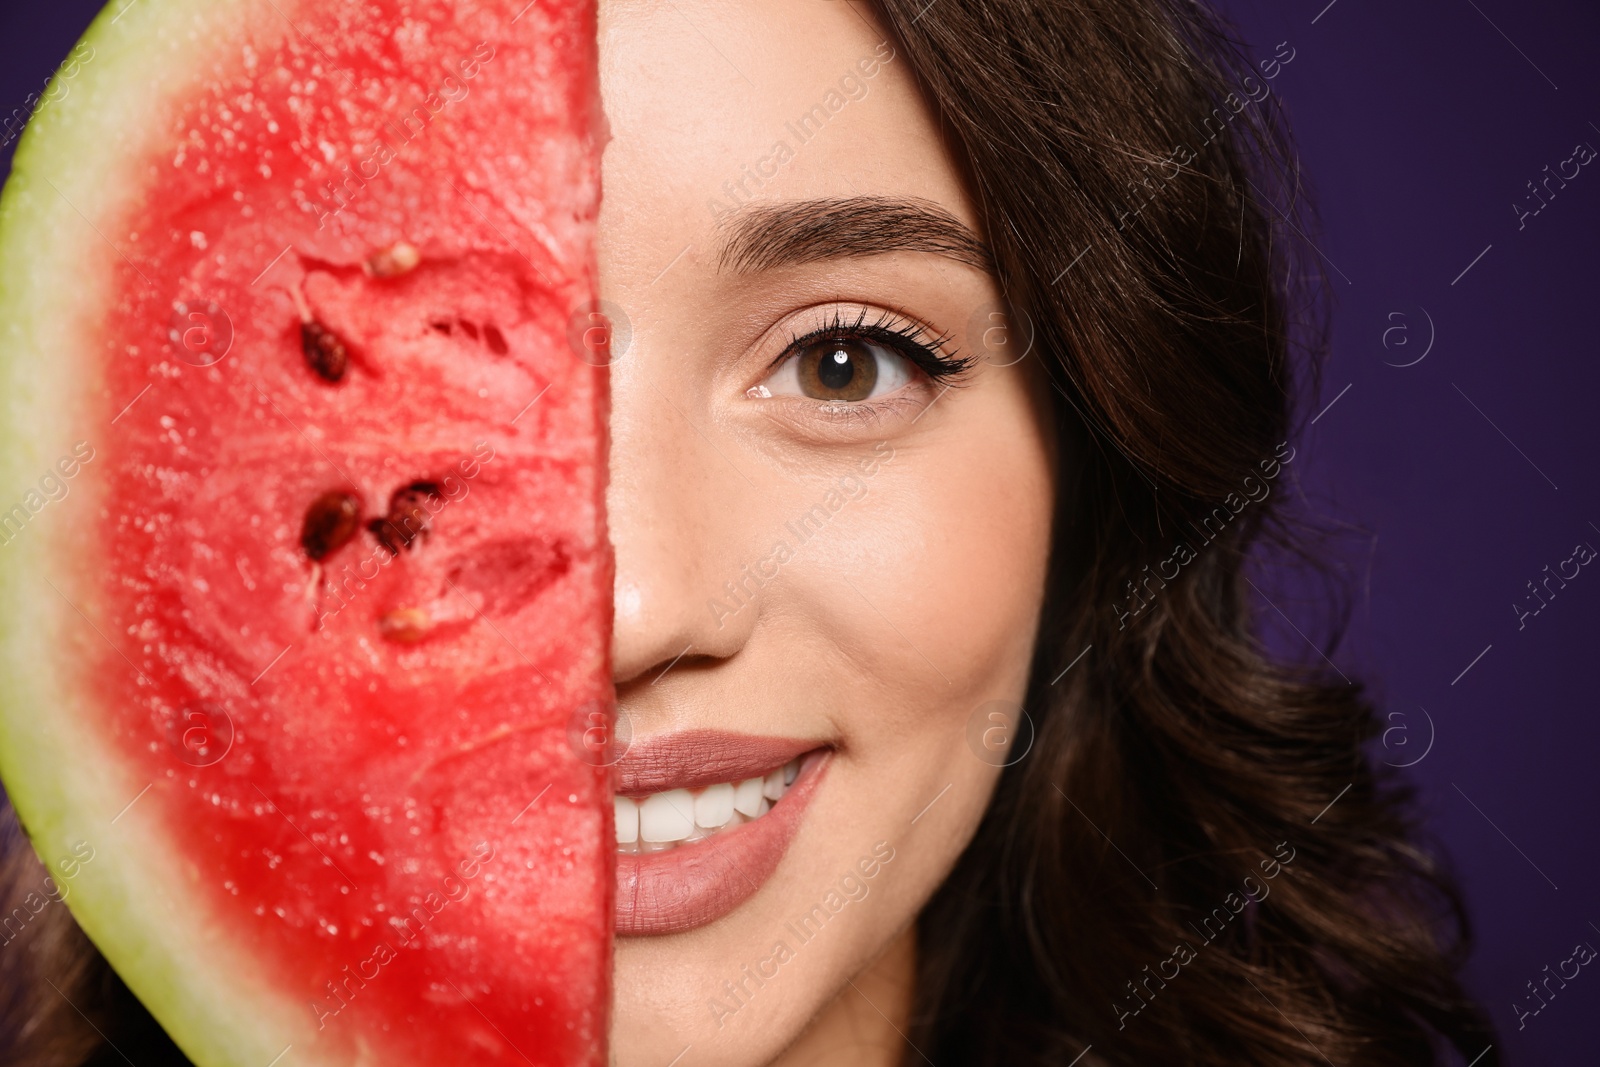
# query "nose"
(672, 517)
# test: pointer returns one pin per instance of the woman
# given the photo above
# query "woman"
(957, 391)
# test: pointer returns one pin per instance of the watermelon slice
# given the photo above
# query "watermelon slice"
(303, 550)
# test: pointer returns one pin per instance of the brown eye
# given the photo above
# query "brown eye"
(840, 369)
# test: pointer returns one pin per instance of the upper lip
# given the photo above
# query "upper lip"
(694, 758)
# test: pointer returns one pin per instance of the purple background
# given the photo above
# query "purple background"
(1464, 475)
(1419, 125)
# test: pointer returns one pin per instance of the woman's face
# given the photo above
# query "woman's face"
(831, 537)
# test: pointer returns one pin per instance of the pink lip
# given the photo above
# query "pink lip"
(692, 885)
(696, 758)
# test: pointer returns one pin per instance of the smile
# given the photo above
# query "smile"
(702, 821)
(665, 820)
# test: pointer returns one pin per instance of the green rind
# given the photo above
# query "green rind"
(57, 265)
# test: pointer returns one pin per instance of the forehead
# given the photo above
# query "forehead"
(715, 104)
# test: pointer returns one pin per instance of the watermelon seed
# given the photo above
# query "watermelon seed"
(408, 516)
(324, 351)
(442, 325)
(331, 520)
(399, 258)
(405, 626)
(469, 329)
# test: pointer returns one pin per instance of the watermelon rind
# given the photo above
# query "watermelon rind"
(56, 274)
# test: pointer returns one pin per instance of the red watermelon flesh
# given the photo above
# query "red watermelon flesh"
(334, 588)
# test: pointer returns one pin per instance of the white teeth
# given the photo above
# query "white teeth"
(747, 797)
(714, 807)
(678, 816)
(627, 820)
(667, 816)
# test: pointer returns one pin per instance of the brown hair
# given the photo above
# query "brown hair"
(1124, 166)
(1125, 158)
(61, 1005)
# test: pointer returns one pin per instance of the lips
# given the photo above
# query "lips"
(700, 881)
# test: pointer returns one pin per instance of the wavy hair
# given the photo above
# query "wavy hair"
(1162, 878)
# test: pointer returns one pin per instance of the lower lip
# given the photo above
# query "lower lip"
(692, 885)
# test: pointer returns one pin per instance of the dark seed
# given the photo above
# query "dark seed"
(495, 339)
(325, 352)
(408, 518)
(331, 520)
(469, 329)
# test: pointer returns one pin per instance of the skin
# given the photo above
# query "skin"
(915, 605)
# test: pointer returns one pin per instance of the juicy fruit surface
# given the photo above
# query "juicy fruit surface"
(350, 578)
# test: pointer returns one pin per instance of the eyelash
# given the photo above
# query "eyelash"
(907, 339)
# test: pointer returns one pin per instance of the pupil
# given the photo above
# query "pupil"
(836, 369)
(840, 369)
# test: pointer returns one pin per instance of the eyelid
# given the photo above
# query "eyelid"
(788, 367)
(902, 334)
(820, 421)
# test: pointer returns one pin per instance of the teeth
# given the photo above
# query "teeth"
(667, 816)
(747, 797)
(627, 820)
(714, 807)
(677, 816)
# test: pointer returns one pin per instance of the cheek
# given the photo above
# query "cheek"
(933, 585)
(950, 547)
(920, 606)
(985, 514)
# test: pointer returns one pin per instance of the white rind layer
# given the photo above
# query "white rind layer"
(134, 899)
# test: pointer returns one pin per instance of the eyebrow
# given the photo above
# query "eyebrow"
(761, 237)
